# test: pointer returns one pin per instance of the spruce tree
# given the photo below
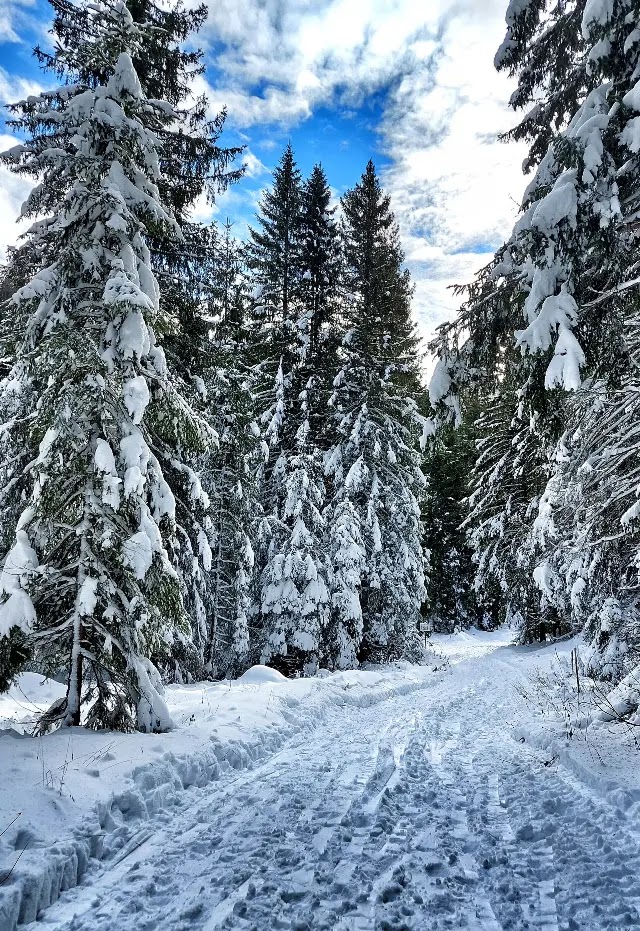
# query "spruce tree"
(273, 255)
(556, 288)
(318, 327)
(97, 594)
(506, 482)
(292, 258)
(294, 592)
(295, 598)
(373, 466)
(320, 286)
(448, 462)
(230, 474)
(189, 163)
(273, 258)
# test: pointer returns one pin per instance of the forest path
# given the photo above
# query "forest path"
(421, 812)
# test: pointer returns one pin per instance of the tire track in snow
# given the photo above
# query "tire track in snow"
(416, 814)
(330, 785)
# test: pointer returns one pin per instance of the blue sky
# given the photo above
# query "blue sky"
(409, 84)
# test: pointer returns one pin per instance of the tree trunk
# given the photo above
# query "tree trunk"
(74, 687)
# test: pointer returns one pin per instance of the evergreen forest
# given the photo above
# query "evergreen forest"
(219, 452)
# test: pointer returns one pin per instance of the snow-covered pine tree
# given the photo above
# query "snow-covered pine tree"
(599, 552)
(273, 258)
(230, 475)
(294, 590)
(553, 288)
(545, 273)
(583, 526)
(320, 286)
(190, 163)
(291, 258)
(374, 467)
(187, 278)
(88, 577)
(296, 597)
(505, 486)
(273, 255)
(448, 462)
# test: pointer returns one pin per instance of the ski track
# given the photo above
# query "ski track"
(417, 814)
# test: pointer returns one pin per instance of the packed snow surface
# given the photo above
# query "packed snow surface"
(402, 798)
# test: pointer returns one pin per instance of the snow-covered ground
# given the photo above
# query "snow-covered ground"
(402, 798)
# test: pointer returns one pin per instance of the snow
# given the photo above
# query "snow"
(121, 289)
(444, 796)
(588, 124)
(631, 134)
(104, 458)
(21, 560)
(440, 383)
(124, 79)
(561, 203)
(150, 529)
(135, 454)
(256, 675)
(304, 641)
(133, 336)
(356, 476)
(543, 285)
(205, 551)
(506, 46)
(46, 443)
(17, 611)
(87, 597)
(630, 41)
(596, 13)
(558, 312)
(164, 503)
(136, 397)
(568, 358)
(515, 9)
(137, 554)
(86, 794)
(153, 715)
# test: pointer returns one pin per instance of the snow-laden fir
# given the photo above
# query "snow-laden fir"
(210, 452)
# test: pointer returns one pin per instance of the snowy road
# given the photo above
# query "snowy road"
(421, 812)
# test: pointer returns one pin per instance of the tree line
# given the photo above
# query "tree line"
(210, 450)
(540, 368)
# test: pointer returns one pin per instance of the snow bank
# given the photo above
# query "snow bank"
(260, 674)
(575, 732)
(75, 796)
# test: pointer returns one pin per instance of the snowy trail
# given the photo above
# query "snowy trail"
(421, 812)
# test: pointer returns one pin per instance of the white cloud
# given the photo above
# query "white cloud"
(14, 189)
(254, 168)
(14, 88)
(454, 187)
(13, 16)
(304, 55)
(13, 192)
(455, 192)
